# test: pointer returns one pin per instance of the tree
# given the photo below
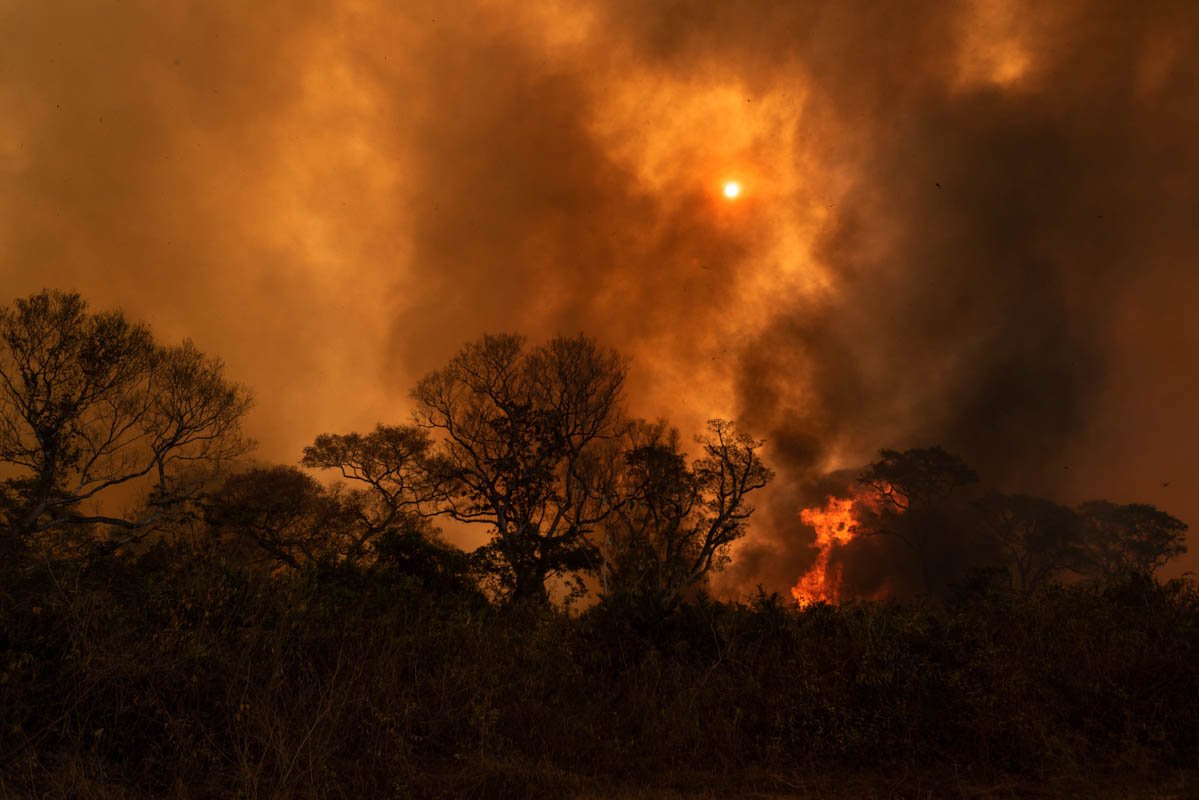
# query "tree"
(521, 434)
(90, 403)
(285, 514)
(390, 462)
(1129, 539)
(417, 551)
(674, 523)
(1038, 538)
(913, 491)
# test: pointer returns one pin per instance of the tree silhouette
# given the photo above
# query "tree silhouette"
(1039, 539)
(390, 463)
(913, 490)
(89, 403)
(520, 439)
(416, 550)
(674, 522)
(1129, 539)
(285, 514)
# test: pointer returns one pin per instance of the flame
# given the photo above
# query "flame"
(835, 526)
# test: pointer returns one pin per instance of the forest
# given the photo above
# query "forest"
(178, 619)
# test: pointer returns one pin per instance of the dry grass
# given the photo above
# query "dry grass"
(182, 679)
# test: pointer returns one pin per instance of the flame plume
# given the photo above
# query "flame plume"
(835, 526)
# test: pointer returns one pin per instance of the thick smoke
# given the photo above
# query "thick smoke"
(969, 224)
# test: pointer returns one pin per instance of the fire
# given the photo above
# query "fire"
(834, 526)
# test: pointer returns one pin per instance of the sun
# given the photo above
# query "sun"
(732, 190)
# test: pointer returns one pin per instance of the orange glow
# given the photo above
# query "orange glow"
(732, 190)
(834, 526)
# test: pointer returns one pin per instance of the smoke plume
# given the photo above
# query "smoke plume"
(969, 224)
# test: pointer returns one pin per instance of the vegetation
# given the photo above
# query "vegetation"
(249, 631)
(174, 674)
(675, 522)
(523, 451)
(90, 404)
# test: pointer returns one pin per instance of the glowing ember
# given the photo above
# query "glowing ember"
(834, 526)
(732, 190)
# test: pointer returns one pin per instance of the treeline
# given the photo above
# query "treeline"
(529, 442)
(928, 515)
(213, 629)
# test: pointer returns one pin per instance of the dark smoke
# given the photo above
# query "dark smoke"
(983, 250)
(969, 224)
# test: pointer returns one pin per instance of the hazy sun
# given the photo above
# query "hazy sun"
(732, 190)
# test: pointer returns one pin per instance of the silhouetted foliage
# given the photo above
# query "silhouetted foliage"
(519, 450)
(1128, 539)
(674, 522)
(391, 463)
(1039, 540)
(366, 661)
(913, 491)
(89, 403)
(282, 511)
(917, 480)
(416, 551)
(136, 675)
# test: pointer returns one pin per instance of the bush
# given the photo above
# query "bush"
(134, 676)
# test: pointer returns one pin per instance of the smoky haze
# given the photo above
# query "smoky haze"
(969, 224)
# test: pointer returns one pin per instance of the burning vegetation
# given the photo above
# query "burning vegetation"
(834, 526)
(962, 231)
(937, 526)
(245, 629)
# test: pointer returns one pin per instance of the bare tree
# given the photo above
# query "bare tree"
(675, 522)
(520, 431)
(90, 403)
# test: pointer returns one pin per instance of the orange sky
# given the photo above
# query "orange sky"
(970, 224)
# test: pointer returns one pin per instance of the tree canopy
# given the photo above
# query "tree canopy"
(90, 402)
(674, 522)
(520, 432)
(104, 429)
(912, 492)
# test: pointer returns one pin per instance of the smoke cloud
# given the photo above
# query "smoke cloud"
(969, 224)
